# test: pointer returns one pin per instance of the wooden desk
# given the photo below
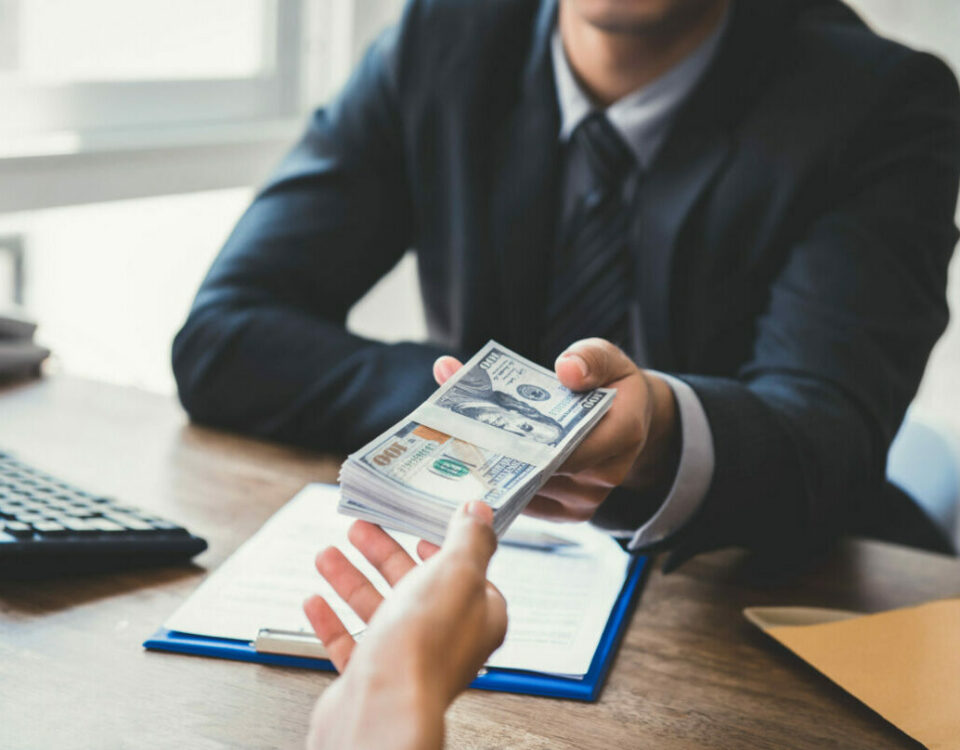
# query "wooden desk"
(691, 672)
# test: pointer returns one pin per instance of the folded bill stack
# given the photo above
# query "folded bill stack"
(496, 431)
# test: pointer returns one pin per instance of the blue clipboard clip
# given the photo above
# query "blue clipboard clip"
(290, 649)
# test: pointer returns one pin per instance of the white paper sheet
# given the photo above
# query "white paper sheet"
(558, 602)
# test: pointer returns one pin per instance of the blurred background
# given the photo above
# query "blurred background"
(135, 134)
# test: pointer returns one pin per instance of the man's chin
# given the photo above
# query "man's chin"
(638, 16)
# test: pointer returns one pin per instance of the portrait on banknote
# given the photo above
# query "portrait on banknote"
(474, 397)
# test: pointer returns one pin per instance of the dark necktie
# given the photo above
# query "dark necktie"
(589, 293)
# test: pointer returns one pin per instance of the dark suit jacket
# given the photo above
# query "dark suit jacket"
(791, 242)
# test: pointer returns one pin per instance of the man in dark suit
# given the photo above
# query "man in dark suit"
(752, 200)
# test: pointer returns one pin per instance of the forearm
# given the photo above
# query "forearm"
(794, 460)
(283, 374)
(787, 463)
(375, 711)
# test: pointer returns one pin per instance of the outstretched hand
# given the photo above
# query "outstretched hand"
(423, 645)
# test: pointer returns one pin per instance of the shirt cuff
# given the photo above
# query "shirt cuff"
(694, 472)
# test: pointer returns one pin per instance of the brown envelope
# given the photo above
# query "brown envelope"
(904, 664)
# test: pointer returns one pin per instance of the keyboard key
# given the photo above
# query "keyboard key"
(50, 528)
(128, 521)
(18, 529)
(103, 524)
(81, 513)
(79, 526)
(168, 527)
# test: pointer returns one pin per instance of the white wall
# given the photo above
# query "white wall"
(391, 311)
(370, 18)
(934, 26)
(110, 283)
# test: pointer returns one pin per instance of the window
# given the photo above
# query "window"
(105, 65)
(110, 99)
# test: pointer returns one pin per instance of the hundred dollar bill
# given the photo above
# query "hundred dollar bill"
(505, 402)
(495, 431)
(439, 471)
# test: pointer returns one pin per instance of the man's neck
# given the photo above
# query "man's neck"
(611, 63)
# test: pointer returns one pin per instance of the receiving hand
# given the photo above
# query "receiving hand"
(635, 444)
(423, 645)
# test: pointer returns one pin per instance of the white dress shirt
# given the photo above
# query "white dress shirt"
(643, 118)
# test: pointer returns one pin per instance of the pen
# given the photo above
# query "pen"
(536, 540)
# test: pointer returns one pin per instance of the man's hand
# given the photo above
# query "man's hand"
(424, 644)
(636, 444)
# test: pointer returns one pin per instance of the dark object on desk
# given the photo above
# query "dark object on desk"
(924, 461)
(49, 528)
(20, 357)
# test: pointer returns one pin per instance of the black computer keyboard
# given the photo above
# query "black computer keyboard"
(50, 528)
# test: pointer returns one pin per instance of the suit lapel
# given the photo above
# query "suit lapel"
(695, 151)
(525, 195)
(665, 197)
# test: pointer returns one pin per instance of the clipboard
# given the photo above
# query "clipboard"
(586, 688)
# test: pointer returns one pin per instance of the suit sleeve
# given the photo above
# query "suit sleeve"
(801, 434)
(264, 349)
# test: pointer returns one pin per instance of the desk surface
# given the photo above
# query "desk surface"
(691, 672)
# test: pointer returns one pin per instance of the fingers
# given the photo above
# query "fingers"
(622, 431)
(592, 363)
(496, 625)
(470, 534)
(330, 630)
(604, 472)
(610, 444)
(382, 550)
(578, 499)
(444, 367)
(567, 499)
(545, 508)
(349, 583)
(426, 549)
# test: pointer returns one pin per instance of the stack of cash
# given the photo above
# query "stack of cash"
(496, 431)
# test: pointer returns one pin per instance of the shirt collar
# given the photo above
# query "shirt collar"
(642, 116)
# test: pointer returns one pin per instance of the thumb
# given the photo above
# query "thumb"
(444, 368)
(592, 363)
(470, 534)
